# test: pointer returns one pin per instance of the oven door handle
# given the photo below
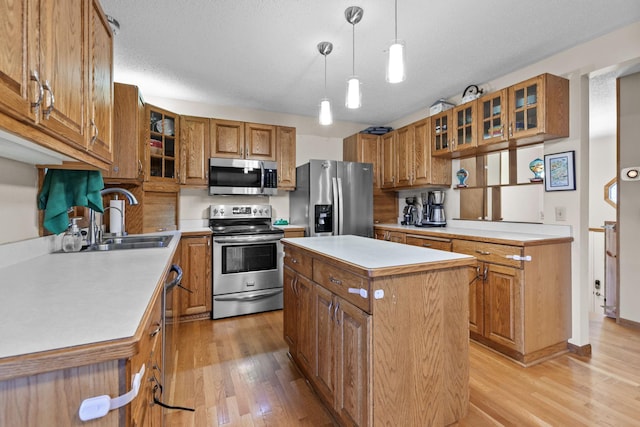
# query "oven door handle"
(252, 297)
(247, 239)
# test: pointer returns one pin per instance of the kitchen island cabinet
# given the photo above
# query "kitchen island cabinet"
(83, 338)
(364, 309)
(519, 290)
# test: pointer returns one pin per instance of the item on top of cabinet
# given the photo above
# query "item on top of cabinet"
(377, 130)
(537, 167)
(470, 93)
(439, 106)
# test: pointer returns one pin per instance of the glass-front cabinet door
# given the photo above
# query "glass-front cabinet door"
(464, 128)
(492, 118)
(441, 132)
(526, 108)
(162, 144)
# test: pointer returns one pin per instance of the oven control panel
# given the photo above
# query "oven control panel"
(239, 211)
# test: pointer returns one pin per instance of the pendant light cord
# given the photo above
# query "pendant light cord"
(353, 62)
(396, 20)
(325, 75)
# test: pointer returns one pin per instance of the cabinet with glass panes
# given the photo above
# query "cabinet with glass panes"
(441, 133)
(464, 128)
(161, 145)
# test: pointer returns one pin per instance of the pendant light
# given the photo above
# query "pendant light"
(325, 118)
(395, 61)
(353, 15)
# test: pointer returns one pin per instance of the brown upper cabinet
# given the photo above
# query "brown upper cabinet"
(539, 109)
(194, 157)
(240, 140)
(493, 118)
(63, 90)
(529, 112)
(464, 126)
(162, 146)
(365, 148)
(129, 131)
(286, 157)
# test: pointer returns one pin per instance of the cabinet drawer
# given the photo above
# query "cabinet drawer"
(489, 252)
(429, 242)
(298, 261)
(340, 282)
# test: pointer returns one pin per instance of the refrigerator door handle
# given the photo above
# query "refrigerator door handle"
(340, 207)
(336, 207)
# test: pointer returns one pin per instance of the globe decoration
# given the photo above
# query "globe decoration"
(537, 167)
(462, 176)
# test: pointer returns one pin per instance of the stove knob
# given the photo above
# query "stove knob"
(221, 211)
(215, 211)
(255, 210)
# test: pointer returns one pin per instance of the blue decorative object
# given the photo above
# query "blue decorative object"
(537, 167)
(462, 176)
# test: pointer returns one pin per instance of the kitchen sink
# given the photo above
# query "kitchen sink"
(131, 242)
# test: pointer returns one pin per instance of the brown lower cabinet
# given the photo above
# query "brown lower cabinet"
(360, 353)
(196, 266)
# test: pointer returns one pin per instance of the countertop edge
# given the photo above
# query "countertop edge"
(86, 354)
(422, 231)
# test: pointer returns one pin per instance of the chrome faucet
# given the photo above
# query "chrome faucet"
(94, 233)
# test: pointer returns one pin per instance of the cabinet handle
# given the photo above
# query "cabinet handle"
(485, 273)
(502, 130)
(426, 245)
(36, 78)
(47, 87)
(334, 280)
(294, 261)
(94, 138)
(482, 252)
(330, 309)
(157, 330)
(139, 167)
(510, 129)
(161, 229)
(335, 313)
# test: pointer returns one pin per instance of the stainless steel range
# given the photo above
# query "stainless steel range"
(247, 260)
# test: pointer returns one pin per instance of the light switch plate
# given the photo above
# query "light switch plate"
(561, 213)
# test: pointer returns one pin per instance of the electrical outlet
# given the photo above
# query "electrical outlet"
(561, 213)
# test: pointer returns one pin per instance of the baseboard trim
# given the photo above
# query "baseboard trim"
(629, 323)
(580, 350)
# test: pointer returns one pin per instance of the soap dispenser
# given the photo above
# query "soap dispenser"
(72, 239)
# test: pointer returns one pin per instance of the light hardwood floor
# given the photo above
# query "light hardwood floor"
(236, 372)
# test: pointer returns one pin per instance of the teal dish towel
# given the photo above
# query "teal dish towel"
(63, 189)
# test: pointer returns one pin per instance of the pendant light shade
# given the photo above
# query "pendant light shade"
(325, 118)
(353, 15)
(396, 59)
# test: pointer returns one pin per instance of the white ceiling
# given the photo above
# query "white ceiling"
(261, 54)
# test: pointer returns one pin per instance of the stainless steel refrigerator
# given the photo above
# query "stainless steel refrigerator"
(333, 198)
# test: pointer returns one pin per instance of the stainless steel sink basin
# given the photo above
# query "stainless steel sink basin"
(131, 242)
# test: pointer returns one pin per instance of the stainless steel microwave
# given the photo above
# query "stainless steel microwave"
(239, 176)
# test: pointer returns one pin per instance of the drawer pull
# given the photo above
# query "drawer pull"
(426, 245)
(482, 252)
(99, 406)
(156, 330)
(362, 292)
(519, 258)
(334, 280)
(294, 261)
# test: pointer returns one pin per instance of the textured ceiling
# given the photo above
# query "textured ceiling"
(261, 54)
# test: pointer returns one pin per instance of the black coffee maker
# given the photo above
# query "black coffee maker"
(410, 212)
(433, 212)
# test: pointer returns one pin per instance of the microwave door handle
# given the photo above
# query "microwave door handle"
(336, 207)
(261, 177)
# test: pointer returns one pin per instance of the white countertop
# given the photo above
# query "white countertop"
(516, 236)
(61, 300)
(371, 253)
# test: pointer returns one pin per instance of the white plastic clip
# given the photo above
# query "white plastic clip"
(519, 258)
(378, 293)
(99, 406)
(363, 292)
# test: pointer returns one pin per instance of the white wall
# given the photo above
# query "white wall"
(18, 194)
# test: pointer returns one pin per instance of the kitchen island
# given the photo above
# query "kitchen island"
(79, 325)
(379, 328)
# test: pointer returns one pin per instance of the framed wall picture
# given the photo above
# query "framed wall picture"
(559, 171)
